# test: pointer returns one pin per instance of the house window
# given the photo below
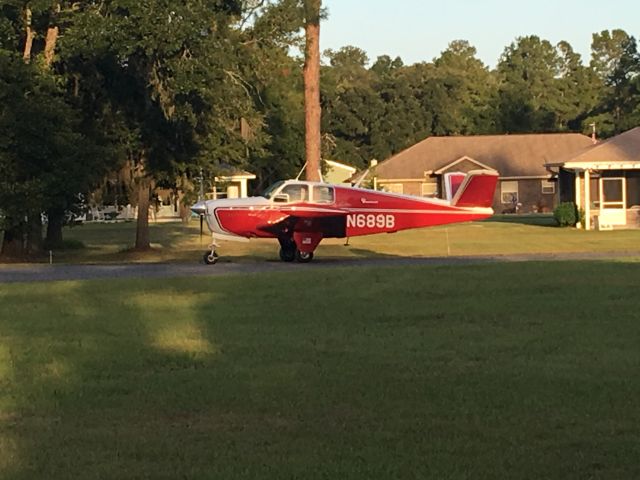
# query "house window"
(509, 192)
(548, 187)
(429, 189)
(394, 188)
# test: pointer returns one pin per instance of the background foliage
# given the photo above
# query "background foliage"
(151, 92)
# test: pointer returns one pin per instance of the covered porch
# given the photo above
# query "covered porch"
(608, 194)
(603, 180)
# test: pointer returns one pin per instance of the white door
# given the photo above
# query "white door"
(613, 201)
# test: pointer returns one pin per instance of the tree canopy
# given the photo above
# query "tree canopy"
(162, 89)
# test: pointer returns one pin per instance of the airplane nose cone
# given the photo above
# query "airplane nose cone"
(199, 208)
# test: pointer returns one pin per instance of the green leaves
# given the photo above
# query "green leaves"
(44, 156)
(616, 62)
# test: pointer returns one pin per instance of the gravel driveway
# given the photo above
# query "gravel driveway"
(48, 273)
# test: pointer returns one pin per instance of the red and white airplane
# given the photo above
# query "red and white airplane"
(300, 214)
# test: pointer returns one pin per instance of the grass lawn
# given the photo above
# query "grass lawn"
(515, 371)
(175, 242)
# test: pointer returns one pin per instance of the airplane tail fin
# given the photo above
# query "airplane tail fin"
(477, 189)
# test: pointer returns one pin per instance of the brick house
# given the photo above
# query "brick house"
(525, 184)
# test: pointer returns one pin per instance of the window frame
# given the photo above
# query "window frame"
(511, 191)
(316, 198)
(282, 191)
(547, 184)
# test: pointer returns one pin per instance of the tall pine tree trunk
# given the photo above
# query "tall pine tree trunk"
(52, 36)
(50, 45)
(142, 225)
(55, 216)
(30, 34)
(311, 74)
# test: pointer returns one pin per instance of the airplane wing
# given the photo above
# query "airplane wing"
(301, 218)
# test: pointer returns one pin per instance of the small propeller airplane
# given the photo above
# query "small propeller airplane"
(300, 214)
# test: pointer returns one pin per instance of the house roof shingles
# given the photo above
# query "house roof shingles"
(623, 148)
(510, 155)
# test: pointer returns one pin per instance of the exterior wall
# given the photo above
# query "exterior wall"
(412, 188)
(335, 174)
(633, 218)
(530, 198)
(408, 187)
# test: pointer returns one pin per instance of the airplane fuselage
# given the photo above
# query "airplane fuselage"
(354, 212)
(300, 214)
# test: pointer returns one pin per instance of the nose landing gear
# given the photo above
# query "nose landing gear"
(211, 257)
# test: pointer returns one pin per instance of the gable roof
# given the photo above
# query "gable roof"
(510, 155)
(618, 150)
(460, 160)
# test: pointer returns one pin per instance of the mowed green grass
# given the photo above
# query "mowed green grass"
(175, 242)
(518, 371)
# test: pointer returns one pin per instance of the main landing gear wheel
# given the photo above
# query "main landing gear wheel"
(210, 258)
(287, 249)
(287, 254)
(304, 257)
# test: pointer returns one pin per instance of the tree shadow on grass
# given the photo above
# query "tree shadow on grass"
(361, 374)
(99, 383)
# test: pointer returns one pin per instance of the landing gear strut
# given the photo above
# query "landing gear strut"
(287, 250)
(211, 257)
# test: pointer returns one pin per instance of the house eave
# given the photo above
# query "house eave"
(582, 166)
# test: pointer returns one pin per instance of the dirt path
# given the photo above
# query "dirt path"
(48, 273)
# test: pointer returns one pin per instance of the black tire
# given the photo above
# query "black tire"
(210, 258)
(287, 254)
(304, 257)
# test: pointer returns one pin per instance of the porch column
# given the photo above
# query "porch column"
(577, 193)
(243, 188)
(587, 200)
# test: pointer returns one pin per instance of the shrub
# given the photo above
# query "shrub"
(566, 214)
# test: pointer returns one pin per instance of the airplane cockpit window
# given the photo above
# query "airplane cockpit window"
(268, 193)
(296, 192)
(322, 194)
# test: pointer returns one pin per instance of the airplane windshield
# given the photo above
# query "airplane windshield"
(268, 193)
